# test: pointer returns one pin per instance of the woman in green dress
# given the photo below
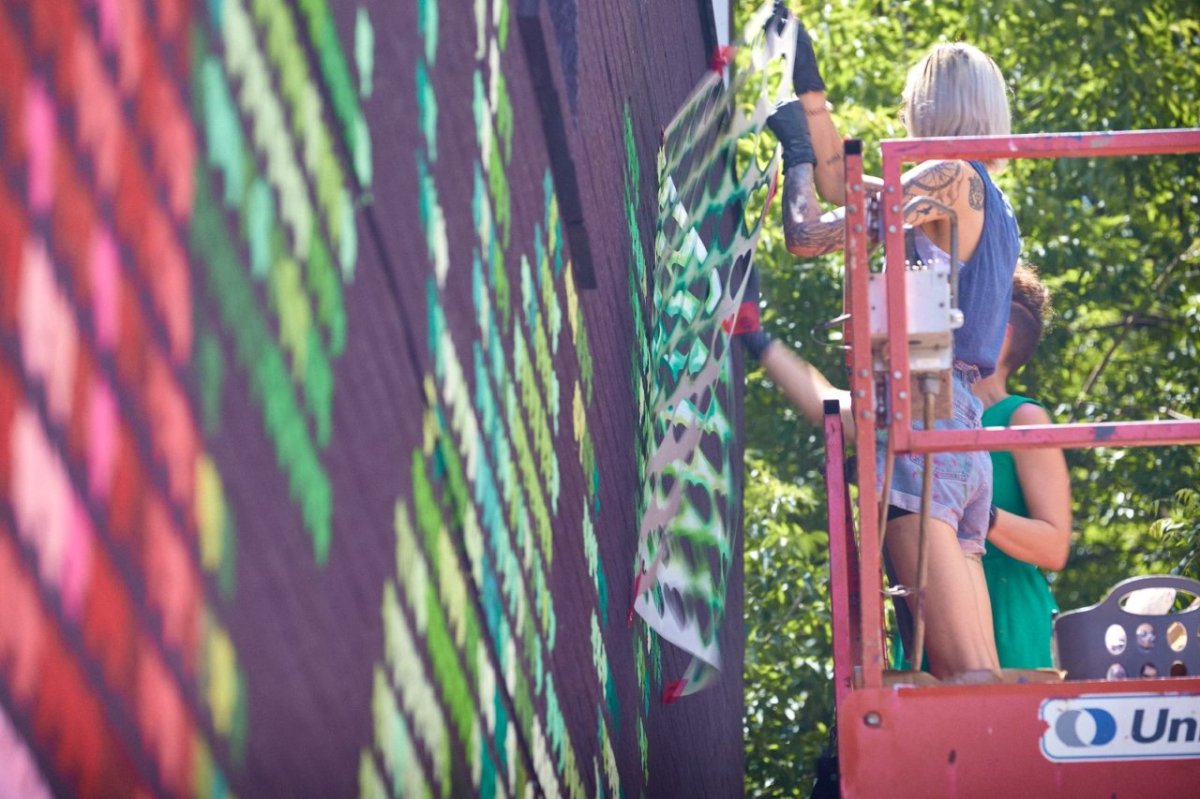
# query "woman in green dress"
(1031, 494)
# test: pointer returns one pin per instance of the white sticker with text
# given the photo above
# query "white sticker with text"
(1121, 727)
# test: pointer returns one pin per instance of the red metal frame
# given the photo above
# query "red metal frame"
(844, 594)
(957, 740)
(1073, 436)
(1053, 145)
(1047, 145)
(868, 669)
(984, 741)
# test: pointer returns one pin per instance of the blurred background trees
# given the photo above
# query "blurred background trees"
(1117, 240)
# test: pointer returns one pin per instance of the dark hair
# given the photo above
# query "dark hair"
(1027, 316)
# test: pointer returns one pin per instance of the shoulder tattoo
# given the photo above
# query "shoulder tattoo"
(939, 179)
(975, 192)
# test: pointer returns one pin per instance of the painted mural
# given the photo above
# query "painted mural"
(320, 464)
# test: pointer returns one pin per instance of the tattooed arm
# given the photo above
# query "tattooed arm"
(828, 147)
(810, 233)
(830, 177)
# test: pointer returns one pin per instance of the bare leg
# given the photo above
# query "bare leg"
(983, 601)
(955, 637)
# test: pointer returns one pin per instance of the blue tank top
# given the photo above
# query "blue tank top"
(984, 281)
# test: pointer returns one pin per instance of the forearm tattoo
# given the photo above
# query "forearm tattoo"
(810, 233)
(807, 231)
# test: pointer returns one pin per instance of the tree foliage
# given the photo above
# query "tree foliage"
(1117, 240)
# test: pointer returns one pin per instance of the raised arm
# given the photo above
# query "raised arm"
(806, 130)
(810, 233)
(809, 87)
(804, 386)
(828, 147)
(1043, 539)
(807, 231)
(830, 173)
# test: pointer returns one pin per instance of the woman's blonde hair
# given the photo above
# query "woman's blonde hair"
(956, 90)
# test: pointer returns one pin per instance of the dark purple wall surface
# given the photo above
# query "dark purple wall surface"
(319, 402)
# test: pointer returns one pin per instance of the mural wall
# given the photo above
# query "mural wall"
(323, 401)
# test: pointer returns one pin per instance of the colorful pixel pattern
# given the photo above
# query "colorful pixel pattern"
(712, 200)
(315, 473)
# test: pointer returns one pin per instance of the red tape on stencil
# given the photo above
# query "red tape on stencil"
(746, 320)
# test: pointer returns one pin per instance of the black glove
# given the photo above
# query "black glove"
(791, 128)
(747, 325)
(806, 76)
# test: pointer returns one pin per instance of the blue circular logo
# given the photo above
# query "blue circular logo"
(1067, 727)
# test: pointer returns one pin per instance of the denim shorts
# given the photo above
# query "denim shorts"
(962, 481)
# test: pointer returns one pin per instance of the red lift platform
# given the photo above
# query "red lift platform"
(1011, 739)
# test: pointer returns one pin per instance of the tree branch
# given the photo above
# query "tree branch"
(1129, 323)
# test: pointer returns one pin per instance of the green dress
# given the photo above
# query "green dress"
(1023, 608)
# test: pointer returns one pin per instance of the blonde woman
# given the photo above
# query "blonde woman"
(954, 90)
